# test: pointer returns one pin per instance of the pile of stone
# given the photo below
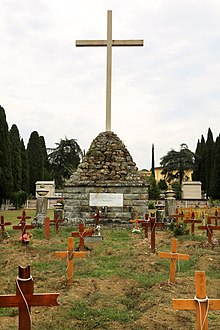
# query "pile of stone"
(106, 160)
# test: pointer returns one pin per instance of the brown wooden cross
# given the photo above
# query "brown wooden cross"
(209, 229)
(137, 221)
(201, 303)
(213, 217)
(2, 225)
(23, 217)
(152, 224)
(177, 216)
(22, 225)
(25, 298)
(173, 256)
(192, 221)
(56, 222)
(69, 255)
(81, 234)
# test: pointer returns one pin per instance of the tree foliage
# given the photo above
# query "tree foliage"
(176, 163)
(64, 160)
(6, 180)
(24, 168)
(16, 166)
(35, 160)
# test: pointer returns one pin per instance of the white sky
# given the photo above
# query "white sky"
(166, 93)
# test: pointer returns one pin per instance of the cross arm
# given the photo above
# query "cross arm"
(186, 304)
(127, 42)
(91, 43)
(61, 254)
(79, 254)
(41, 299)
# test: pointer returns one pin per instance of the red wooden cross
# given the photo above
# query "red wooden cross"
(2, 225)
(25, 298)
(23, 226)
(47, 228)
(152, 224)
(201, 303)
(56, 221)
(81, 234)
(177, 216)
(69, 255)
(173, 256)
(209, 229)
(192, 221)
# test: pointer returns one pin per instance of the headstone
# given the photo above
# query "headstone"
(192, 190)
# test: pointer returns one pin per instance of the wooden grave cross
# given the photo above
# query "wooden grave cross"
(97, 216)
(56, 222)
(192, 221)
(109, 43)
(22, 225)
(152, 224)
(213, 217)
(69, 255)
(173, 256)
(209, 229)
(137, 221)
(47, 228)
(2, 225)
(81, 234)
(201, 303)
(25, 298)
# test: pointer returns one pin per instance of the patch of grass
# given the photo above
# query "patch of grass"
(8, 312)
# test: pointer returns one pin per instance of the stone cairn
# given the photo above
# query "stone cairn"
(106, 167)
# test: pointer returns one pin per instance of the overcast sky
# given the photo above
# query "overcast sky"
(165, 93)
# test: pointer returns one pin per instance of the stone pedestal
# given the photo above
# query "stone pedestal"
(41, 210)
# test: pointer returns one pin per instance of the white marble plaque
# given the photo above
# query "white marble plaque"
(106, 199)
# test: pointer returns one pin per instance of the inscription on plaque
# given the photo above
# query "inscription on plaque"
(106, 199)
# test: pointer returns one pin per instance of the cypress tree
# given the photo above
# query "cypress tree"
(208, 162)
(24, 168)
(153, 163)
(214, 188)
(35, 160)
(6, 179)
(46, 164)
(16, 167)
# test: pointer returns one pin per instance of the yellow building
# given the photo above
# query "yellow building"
(159, 176)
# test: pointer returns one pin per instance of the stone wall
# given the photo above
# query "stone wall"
(106, 168)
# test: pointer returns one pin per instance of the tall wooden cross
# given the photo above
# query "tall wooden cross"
(137, 221)
(173, 256)
(81, 234)
(152, 224)
(69, 255)
(209, 229)
(192, 221)
(2, 225)
(25, 298)
(109, 43)
(201, 303)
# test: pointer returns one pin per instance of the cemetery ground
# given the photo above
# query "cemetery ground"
(119, 285)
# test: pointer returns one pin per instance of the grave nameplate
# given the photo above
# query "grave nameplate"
(106, 199)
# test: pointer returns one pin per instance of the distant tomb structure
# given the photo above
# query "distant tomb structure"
(192, 190)
(106, 178)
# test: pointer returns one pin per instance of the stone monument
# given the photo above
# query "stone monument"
(108, 178)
